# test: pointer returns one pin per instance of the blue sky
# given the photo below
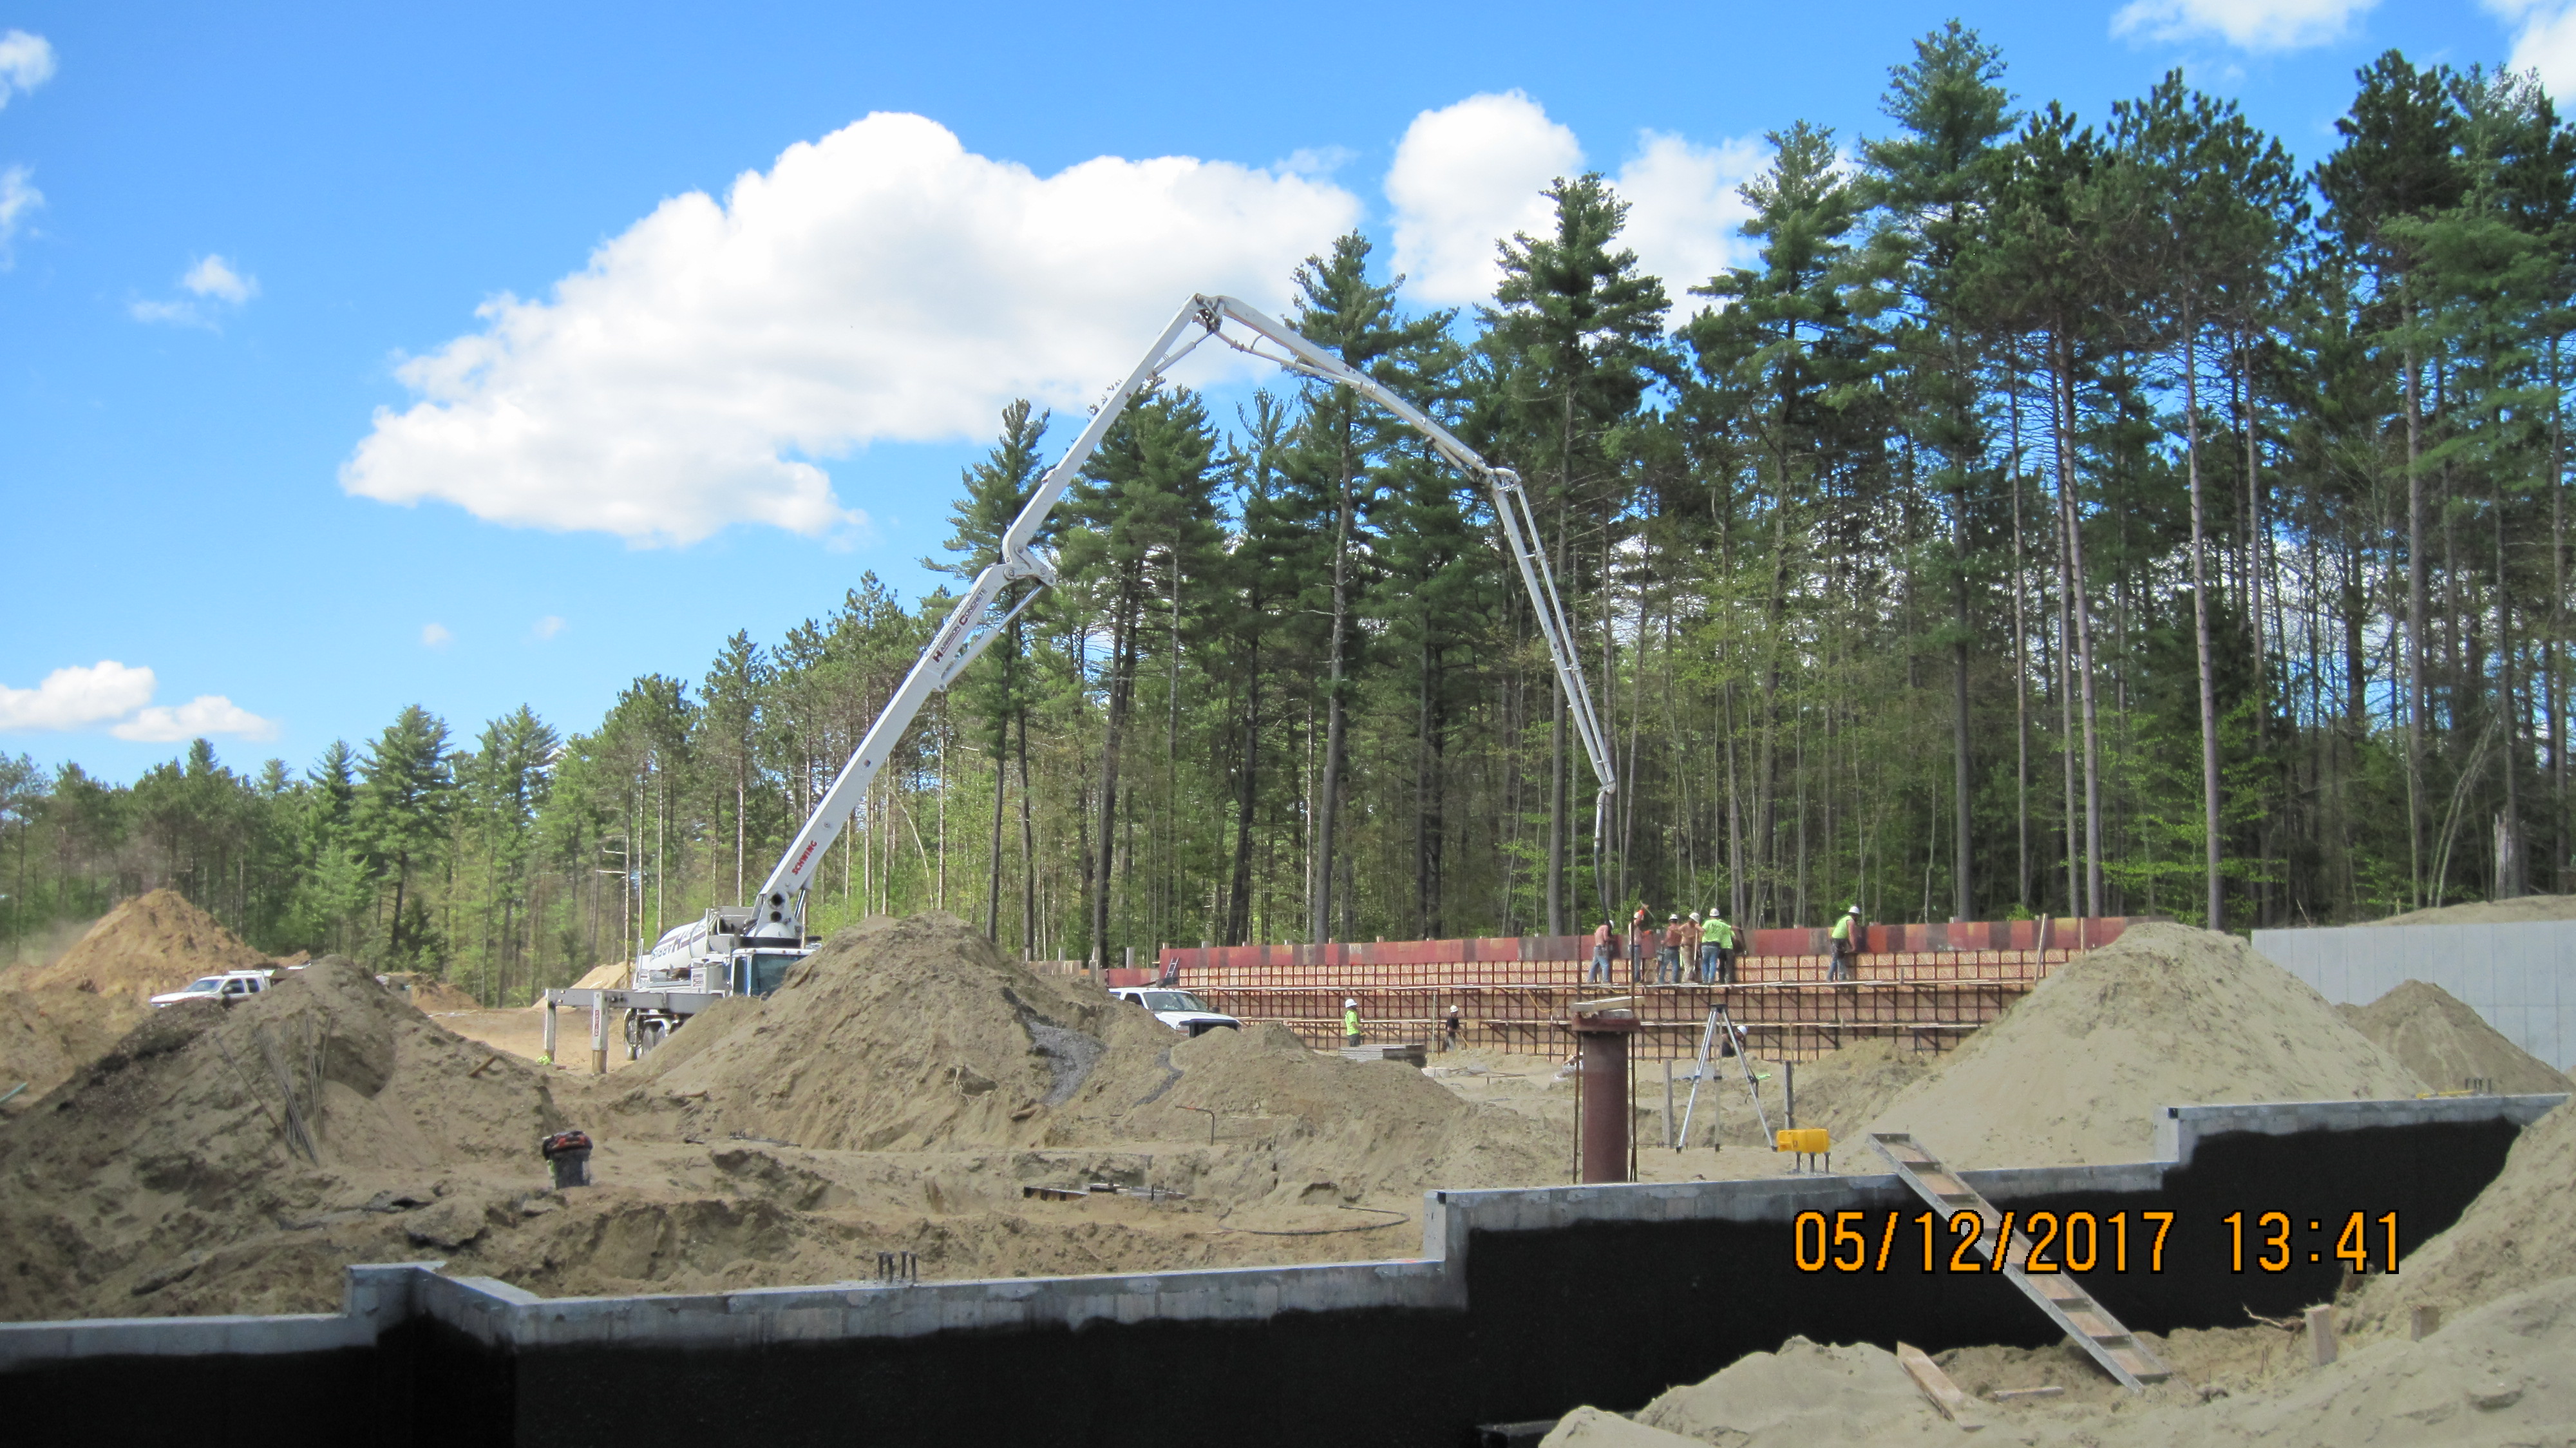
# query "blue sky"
(350, 359)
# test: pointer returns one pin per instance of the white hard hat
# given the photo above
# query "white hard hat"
(1347, 1002)
(1855, 910)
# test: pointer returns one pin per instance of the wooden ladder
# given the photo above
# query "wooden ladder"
(2117, 1349)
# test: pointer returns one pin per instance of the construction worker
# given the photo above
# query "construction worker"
(1846, 937)
(1350, 1021)
(1604, 941)
(1668, 961)
(1717, 945)
(1449, 1028)
(1641, 934)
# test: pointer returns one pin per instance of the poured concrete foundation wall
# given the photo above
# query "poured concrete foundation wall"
(1522, 1304)
(2520, 977)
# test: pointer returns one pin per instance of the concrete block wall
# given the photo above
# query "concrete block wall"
(2520, 977)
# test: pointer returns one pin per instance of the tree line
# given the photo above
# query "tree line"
(2054, 517)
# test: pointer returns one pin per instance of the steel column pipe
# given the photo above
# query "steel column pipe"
(1601, 1032)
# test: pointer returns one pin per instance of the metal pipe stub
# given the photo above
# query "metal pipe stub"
(1601, 1031)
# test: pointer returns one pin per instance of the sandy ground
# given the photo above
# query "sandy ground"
(2520, 909)
(2503, 1373)
(911, 1090)
(904, 1092)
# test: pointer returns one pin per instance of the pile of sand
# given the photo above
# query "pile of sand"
(2168, 1015)
(152, 943)
(2521, 1230)
(428, 992)
(2504, 1373)
(916, 1034)
(1804, 1394)
(59, 1015)
(611, 976)
(1843, 1091)
(2521, 909)
(224, 1158)
(46, 1036)
(2449, 1045)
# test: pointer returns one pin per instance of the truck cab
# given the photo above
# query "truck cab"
(232, 985)
(1177, 1009)
(709, 958)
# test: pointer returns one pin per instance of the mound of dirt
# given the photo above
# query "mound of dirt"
(429, 993)
(152, 943)
(1843, 1091)
(2520, 910)
(225, 1158)
(47, 1036)
(1593, 1428)
(2520, 1230)
(2168, 1015)
(1804, 1394)
(2449, 1045)
(611, 976)
(916, 1034)
(2504, 1373)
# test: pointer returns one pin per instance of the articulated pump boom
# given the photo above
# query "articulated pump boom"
(745, 950)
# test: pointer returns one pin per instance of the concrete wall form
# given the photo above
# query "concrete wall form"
(2520, 977)
(1521, 1303)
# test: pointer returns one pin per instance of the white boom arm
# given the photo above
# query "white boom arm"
(973, 625)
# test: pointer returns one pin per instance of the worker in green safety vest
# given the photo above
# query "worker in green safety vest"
(1846, 934)
(1717, 949)
(1350, 1021)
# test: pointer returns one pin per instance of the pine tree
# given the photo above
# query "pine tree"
(996, 490)
(1577, 330)
(1935, 184)
(1340, 308)
(409, 788)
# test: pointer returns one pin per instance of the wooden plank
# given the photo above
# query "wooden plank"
(1946, 1398)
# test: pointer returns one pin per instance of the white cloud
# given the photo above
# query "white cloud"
(883, 283)
(2546, 42)
(206, 714)
(213, 280)
(435, 636)
(1465, 177)
(1684, 213)
(214, 277)
(17, 198)
(2245, 24)
(1469, 175)
(26, 62)
(176, 314)
(76, 697)
(1314, 160)
(548, 627)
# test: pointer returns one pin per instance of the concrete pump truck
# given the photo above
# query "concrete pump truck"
(749, 949)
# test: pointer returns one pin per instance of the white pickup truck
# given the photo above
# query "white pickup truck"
(1177, 1009)
(231, 985)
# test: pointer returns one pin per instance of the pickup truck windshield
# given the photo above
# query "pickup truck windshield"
(209, 984)
(1172, 1000)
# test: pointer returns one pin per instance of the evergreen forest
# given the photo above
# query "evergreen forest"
(2060, 515)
